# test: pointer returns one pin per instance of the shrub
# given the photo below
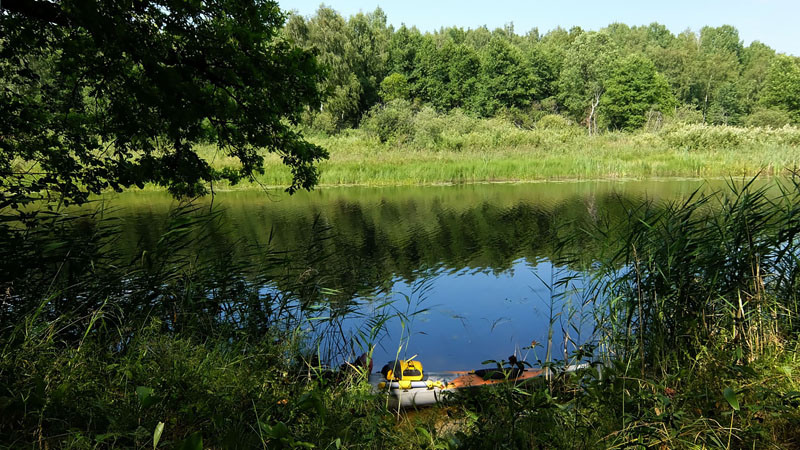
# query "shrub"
(325, 122)
(687, 114)
(521, 118)
(392, 122)
(699, 137)
(428, 127)
(553, 122)
(768, 117)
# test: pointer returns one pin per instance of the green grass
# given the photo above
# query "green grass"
(493, 150)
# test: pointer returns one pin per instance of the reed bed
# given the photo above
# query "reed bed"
(466, 150)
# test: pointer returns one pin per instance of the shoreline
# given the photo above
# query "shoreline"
(251, 187)
(504, 154)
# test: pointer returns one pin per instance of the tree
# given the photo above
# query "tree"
(633, 89)
(368, 54)
(724, 39)
(727, 106)
(117, 93)
(462, 75)
(768, 117)
(587, 66)
(782, 86)
(716, 64)
(327, 35)
(505, 80)
(402, 49)
(756, 60)
(677, 63)
(394, 87)
(430, 73)
(543, 70)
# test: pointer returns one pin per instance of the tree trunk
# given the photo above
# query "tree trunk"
(705, 101)
(591, 121)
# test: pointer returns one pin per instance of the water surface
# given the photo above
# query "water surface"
(477, 258)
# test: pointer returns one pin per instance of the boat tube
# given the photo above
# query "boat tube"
(436, 386)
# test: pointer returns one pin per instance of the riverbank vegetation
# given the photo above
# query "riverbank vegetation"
(432, 148)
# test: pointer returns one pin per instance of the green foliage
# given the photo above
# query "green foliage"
(503, 74)
(504, 77)
(687, 115)
(587, 67)
(721, 39)
(704, 137)
(119, 96)
(633, 89)
(402, 49)
(756, 60)
(685, 282)
(553, 122)
(209, 393)
(430, 75)
(464, 83)
(428, 128)
(782, 86)
(354, 54)
(521, 118)
(392, 122)
(394, 87)
(769, 117)
(727, 106)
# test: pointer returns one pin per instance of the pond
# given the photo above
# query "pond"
(475, 259)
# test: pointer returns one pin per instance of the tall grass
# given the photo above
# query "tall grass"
(455, 148)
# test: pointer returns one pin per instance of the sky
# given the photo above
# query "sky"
(773, 22)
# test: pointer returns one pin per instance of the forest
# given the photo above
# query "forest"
(617, 78)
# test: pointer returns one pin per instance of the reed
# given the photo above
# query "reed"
(695, 332)
(491, 150)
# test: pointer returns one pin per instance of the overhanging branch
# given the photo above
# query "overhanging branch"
(37, 10)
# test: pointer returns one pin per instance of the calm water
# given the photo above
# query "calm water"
(477, 258)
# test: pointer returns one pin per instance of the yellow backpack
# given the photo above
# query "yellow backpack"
(405, 370)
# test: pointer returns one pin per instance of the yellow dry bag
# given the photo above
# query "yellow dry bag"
(403, 370)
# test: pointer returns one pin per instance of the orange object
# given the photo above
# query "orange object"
(473, 379)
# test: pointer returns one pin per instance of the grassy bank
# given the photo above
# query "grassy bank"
(464, 150)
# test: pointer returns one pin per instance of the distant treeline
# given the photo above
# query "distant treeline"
(617, 78)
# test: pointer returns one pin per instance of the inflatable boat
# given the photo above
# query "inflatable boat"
(406, 386)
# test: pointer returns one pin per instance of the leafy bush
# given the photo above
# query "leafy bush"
(325, 122)
(697, 137)
(392, 122)
(768, 118)
(428, 128)
(521, 118)
(687, 114)
(553, 122)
